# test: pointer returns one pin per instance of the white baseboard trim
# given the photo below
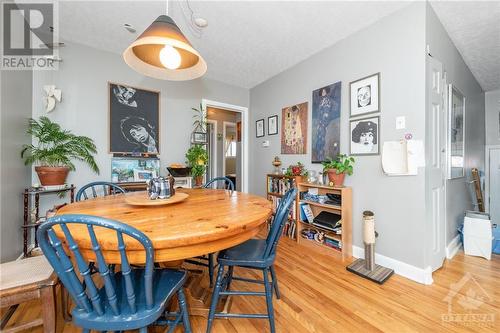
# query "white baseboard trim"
(420, 275)
(453, 247)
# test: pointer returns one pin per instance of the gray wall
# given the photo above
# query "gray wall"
(393, 46)
(16, 94)
(492, 106)
(83, 77)
(442, 48)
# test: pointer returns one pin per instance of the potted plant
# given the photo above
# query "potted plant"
(338, 168)
(197, 159)
(297, 170)
(54, 151)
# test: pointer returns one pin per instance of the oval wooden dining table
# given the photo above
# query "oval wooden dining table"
(207, 221)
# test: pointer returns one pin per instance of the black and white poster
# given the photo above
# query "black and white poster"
(133, 120)
(365, 95)
(365, 136)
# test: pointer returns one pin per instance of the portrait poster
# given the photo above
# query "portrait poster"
(133, 120)
(365, 95)
(326, 122)
(365, 136)
(294, 129)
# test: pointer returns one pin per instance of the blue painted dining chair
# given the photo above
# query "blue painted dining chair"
(128, 299)
(208, 260)
(253, 254)
(98, 189)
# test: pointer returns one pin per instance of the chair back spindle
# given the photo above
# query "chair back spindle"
(279, 222)
(84, 291)
(98, 189)
(220, 183)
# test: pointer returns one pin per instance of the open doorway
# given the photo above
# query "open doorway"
(225, 153)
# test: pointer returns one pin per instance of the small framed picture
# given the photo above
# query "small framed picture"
(259, 128)
(199, 137)
(272, 125)
(365, 136)
(365, 95)
(143, 175)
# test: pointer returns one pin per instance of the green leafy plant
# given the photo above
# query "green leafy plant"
(200, 121)
(297, 170)
(342, 164)
(56, 147)
(197, 159)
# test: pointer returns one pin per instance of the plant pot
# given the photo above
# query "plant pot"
(52, 175)
(337, 180)
(198, 181)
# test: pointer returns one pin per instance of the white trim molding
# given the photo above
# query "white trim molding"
(214, 150)
(420, 275)
(245, 139)
(453, 247)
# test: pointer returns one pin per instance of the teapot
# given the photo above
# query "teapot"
(160, 187)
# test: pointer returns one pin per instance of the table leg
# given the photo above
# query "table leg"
(197, 290)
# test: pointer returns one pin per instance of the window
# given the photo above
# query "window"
(230, 146)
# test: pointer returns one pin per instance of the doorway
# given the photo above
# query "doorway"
(227, 153)
(493, 183)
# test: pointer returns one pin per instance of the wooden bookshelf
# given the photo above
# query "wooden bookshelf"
(273, 193)
(344, 210)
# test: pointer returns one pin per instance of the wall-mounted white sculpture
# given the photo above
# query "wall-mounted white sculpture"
(52, 94)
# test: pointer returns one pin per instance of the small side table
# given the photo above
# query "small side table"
(29, 223)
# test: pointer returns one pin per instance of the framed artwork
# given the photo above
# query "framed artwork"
(134, 118)
(326, 122)
(272, 125)
(294, 129)
(365, 95)
(456, 133)
(365, 136)
(199, 137)
(238, 131)
(259, 128)
(134, 169)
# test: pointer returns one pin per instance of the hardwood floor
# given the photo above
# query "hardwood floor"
(319, 295)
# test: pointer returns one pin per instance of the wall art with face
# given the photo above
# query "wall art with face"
(365, 95)
(365, 136)
(294, 129)
(133, 120)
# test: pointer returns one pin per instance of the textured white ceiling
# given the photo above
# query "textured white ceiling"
(244, 44)
(474, 28)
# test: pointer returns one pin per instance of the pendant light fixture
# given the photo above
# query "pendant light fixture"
(163, 52)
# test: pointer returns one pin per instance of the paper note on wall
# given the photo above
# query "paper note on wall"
(402, 158)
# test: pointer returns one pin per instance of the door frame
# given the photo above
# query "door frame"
(224, 123)
(244, 137)
(487, 152)
(213, 161)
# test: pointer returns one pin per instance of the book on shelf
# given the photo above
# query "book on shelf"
(279, 185)
(332, 242)
(290, 224)
(306, 213)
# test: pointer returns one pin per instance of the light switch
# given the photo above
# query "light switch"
(265, 143)
(400, 122)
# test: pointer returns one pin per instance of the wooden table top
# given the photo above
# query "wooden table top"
(207, 221)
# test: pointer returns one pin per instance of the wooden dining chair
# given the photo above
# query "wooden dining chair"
(98, 189)
(253, 254)
(208, 260)
(22, 281)
(129, 299)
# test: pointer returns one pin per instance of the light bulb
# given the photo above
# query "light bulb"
(170, 57)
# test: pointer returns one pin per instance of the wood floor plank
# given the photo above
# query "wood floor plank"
(319, 295)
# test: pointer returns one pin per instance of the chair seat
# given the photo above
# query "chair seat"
(24, 272)
(247, 254)
(165, 283)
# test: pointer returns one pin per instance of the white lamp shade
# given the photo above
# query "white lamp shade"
(143, 55)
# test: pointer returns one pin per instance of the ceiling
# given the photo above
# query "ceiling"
(474, 28)
(247, 42)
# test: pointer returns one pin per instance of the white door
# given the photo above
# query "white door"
(494, 185)
(436, 166)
